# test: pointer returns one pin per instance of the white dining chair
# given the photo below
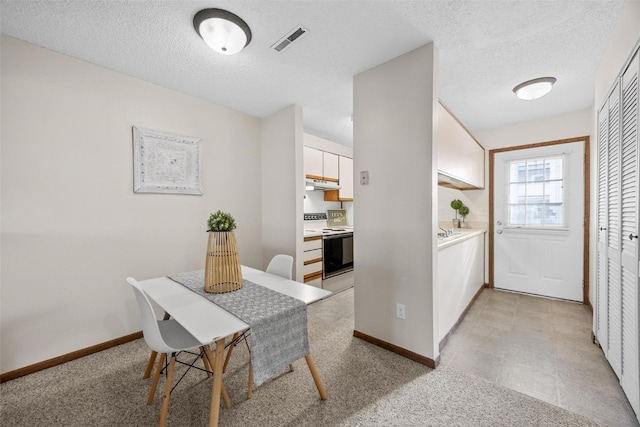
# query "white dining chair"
(169, 338)
(280, 265)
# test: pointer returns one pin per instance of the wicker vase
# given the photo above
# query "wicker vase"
(222, 272)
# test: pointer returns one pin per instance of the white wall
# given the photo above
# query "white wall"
(476, 200)
(314, 202)
(326, 145)
(563, 126)
(283, 186)
(72, 228)
(625, 38)
(395, 250)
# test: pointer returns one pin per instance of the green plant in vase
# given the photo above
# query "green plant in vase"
(455, 205)
(463, 211)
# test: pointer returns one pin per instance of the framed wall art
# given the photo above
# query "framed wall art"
(166, 163)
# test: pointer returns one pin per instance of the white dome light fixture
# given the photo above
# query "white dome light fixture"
(223, 31)
(534, 89)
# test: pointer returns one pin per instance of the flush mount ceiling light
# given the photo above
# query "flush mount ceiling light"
(534, 89)
(223, 31)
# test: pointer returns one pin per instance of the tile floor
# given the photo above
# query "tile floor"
(537, 346)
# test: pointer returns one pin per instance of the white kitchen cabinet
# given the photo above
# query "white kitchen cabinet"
(330, 166)
(460, 155)
(312, 260)
(345, 179)
(460, 277)
(313, 163)
(321, 165)
(313, 255)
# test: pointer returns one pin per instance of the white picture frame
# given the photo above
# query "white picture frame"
(166, 163)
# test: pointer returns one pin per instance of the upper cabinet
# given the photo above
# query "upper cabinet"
(345, 175)
(330, 165)
(346, 178)
(460, 155)
(313, 163)
(320, 165)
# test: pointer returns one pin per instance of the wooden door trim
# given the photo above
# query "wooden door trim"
(587, 207)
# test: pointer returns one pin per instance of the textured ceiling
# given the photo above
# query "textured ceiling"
(486, 48)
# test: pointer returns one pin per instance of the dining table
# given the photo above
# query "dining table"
(209, 322)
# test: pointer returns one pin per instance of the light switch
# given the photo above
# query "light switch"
(364, 177)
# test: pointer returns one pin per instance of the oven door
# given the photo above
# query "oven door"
(337, 255)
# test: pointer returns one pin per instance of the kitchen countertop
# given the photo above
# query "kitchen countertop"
(460, 235)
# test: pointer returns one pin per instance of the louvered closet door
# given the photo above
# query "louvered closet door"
(629, 376)
(602, 306)
(614, 294)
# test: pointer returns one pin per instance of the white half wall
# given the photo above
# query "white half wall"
(72, 227)
(283, 186)
(395, 107)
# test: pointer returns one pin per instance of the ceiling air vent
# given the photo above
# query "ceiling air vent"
(293, 35)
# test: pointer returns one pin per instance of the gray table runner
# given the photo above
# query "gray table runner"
(278, 322)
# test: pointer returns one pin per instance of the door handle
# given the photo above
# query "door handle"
(631, 236)
(603, 228)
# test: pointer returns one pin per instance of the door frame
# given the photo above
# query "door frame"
(587, 189)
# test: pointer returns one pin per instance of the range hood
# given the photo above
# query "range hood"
(318, 184)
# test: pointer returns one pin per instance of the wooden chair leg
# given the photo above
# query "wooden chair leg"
(152, 357)
(217, 383)
(167, 392)
(226, 360)
(223, 392)
(152, 361)
(291, 368)
(316, 377)
(250, 387)
(154, 384)
(205, 361)
(225, 397)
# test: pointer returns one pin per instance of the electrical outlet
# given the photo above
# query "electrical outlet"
(400, 311)
(364, 177)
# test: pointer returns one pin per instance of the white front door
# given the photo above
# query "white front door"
(538, 227)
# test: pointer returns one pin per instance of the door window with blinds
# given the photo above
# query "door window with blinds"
(536, 192)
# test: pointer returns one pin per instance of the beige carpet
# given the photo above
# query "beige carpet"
(367, 386)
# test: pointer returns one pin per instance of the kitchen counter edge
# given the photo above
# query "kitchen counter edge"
(464, 235)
